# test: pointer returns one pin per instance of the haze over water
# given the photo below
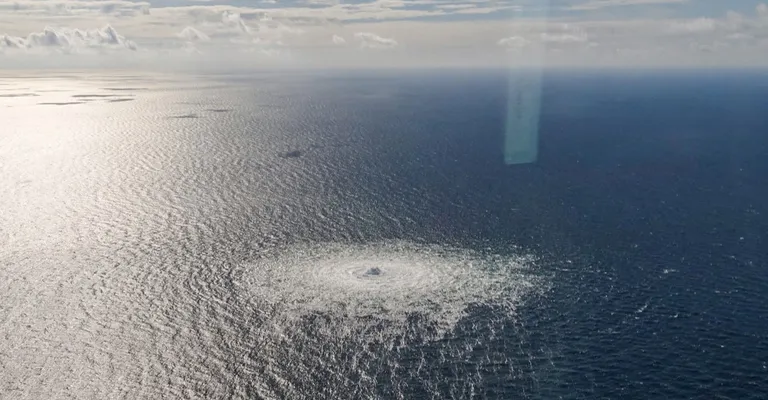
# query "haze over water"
(357, 235)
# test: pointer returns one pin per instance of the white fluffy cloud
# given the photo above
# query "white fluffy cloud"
(554, 36)
(328, 32)
(370, 40)
(245, 30)
(513, 42)
(235, 21)
(69, 40)
(191, 34)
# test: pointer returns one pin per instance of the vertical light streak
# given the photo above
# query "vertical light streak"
(521, 138)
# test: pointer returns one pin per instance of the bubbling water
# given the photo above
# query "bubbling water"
(388, 283)
(353, 321)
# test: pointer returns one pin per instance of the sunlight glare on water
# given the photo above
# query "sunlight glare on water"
(359, 236)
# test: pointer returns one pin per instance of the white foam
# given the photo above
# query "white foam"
(359, 286)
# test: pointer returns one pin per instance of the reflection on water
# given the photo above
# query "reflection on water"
(301, 238)
(145, 255)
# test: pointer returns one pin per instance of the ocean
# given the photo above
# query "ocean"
(358, 235)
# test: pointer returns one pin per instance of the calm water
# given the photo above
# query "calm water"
(357, 235)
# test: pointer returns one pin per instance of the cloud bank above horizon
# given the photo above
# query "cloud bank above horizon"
(232, 34)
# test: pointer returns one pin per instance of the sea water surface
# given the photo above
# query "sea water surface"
(356, 235)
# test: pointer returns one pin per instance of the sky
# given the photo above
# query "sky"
(239, 34)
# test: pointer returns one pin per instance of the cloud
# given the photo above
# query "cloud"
(248, 30)
(234, 20)
(117, 8)
(762, 10)
(12, 42)
(69, 40)
(564, 38)
(191, 34)
(553, 36)
(565, 34)
(373, 41)
(718, 34)
(332, 32)
(513, 42)
(694, 26)
(598, 4)
(338, 40)
(272, 31)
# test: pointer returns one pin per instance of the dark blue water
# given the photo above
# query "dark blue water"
(137, 245)
(648, 201)
(658, 181)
